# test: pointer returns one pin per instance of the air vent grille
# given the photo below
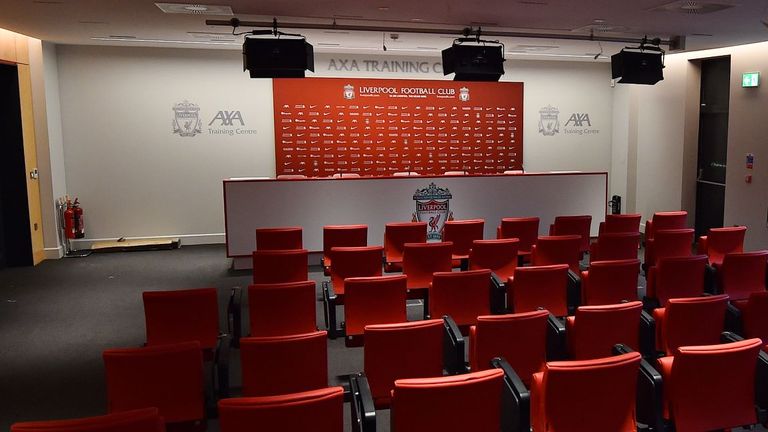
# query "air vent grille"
(693, 7)
(195, 9)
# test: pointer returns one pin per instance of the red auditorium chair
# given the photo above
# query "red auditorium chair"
(462, 295)
(676, 277)
(349, 262)
(710, 387)
(140, 420)
(467, 402)
(282, 309)
(525, 229)
(521, 339)
(721, 241)
(284, 364)
(462, 233)
(539, 287)
(690, 321)
(609, 282)
(573, 225)
(279, 238)
(373, 300)
(563, 249)
(594, 330)
(168, 377)
(753, 316)
(621, 223)
(742, 274)
(668, 243)
(280, 266)
(420, 261)
(396, 235)
(664, 221)
(341, 236)
(498, 256)
(614, 246)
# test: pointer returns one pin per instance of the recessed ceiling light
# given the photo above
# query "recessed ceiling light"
(599, 21)
(194, 9)
(417, 19)
(383, 8)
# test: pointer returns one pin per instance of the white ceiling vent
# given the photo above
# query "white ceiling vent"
(602, 28)
(693, 7)
(194, 9)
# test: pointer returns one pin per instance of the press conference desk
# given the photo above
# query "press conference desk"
(250, 203)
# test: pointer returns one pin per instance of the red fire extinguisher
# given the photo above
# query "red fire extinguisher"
(73, 220)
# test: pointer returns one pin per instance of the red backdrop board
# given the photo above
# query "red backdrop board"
(371, 127)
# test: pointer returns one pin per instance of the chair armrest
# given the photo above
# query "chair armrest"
(761, 386)
(574, 291)
(556, 344)
(516, 400)
(235, 316)
(728, 337)
(453, 347)
(649, 393)
(647, 335)
(710, 280)
(733, 321)
(221, 366)
(361, 403)
(498, 295)
(329, 310)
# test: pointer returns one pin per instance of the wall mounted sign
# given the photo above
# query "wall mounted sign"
(750, 79)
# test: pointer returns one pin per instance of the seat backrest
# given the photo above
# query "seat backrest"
(622, 223)
(693, 321)
(600, 393)
(363, 261)
(679, 277)
(557, 250)
(182, 316)
(594, 330)
(398, 234)
(405, 350)
(743, 273)
(616, 246)
(666, 221)
(284, 364)
(282, 309)
(537, 287)
(610, 282)
(499, 256)
(673, 243)
(144, 420)
(344, 236)
(279, 238)
(525, 229)
(521, 339)
(462, 295)
(574, 225)
(280, 266)
(317, 410)
(726, 398)
(374, 300)
(420, 260)
(168, 377)
(462, 233)
(721, 241)
(424, 404)
(753, 316)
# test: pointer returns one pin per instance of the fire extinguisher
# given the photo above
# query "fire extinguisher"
(73, 220)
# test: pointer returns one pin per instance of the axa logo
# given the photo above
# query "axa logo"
(578, 120)
(228, 118)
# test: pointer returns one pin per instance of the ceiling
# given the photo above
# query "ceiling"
(559, 24)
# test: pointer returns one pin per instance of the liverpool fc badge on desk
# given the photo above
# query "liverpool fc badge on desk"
(432, 207)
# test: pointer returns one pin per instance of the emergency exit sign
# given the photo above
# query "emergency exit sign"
(750, 79)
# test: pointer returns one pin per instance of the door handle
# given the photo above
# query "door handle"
(34, 174)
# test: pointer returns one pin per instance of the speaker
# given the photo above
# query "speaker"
(637, 67)
(277, 58)
(474, 62)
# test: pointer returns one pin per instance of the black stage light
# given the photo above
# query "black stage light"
(474, 62)
(641, 65)
(277, 58)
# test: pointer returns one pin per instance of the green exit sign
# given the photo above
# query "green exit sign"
(750, 79)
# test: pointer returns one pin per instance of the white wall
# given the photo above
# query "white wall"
(136, 178)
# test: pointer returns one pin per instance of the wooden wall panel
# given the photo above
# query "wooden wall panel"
(7, 46)
(22, 49)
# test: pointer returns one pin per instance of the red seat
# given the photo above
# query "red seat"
(537, 287)
(614, 246)
(586, 395)
(280, 238)
(420, 260)
(140, 420)
(676, 277)
(665, 221)
(182, 316)
(690, 321)
(521, 339)
(282, 309)
(498, 256)
(742, 274)
(462, 233)
(168, 377)
(573, 225)
(405, 350)
(557, 250)
(284, 364)
(722, 241)
(620, 223)
(429, 404)
(525, 229)
(753, 316)
(462, 295)
(280, 266)
(363, 261)
(396, 235)
(668, 243)
(609, 282)
(317, 410)
(374, 300)
(342, 236)
(594, 330)
(710, 387)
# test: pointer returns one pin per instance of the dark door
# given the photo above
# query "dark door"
(713, 143)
